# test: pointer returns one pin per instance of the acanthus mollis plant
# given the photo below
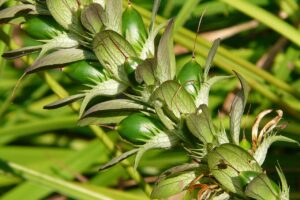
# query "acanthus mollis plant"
(114, 55)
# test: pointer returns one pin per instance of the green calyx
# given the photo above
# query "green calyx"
(138, 128)
(84, 72)
(42, 27)
(133, 28)
(190, 77)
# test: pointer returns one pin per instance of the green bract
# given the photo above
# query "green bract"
(190, 77)
(138, 128)
(227, 161)
(42, 27)
(133, 28)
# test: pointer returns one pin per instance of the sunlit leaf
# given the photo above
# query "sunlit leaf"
(237, 109)
(210, 57)
(64, 101)
(166, 66)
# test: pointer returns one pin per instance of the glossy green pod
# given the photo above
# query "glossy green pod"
(190, 77)
(138, 128)
(133, 28)
(42, 27)
(84, 72)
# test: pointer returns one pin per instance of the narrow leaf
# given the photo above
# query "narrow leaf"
(64, 101)
(210, 57)
(166, 66)
(116, 104)
(237, 109)
(21, 52)
(154, 13)
(104, 118)
(118, 159)
(59, 185)
(284, 191)
(59, 58)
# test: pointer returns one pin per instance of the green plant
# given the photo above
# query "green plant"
(143, 98)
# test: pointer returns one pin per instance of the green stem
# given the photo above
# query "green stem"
(184, 13)
(13, 132)
(266, 18)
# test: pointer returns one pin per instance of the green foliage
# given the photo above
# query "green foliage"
(123, 76)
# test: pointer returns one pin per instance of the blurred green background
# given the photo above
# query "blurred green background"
(258, 36)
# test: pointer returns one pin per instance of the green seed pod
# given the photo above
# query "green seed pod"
(190, 77)
(84, 72)
(42, 27)
(130, 66)
(138, 128)
(133, 28)
(245, 144)
(227, 161)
